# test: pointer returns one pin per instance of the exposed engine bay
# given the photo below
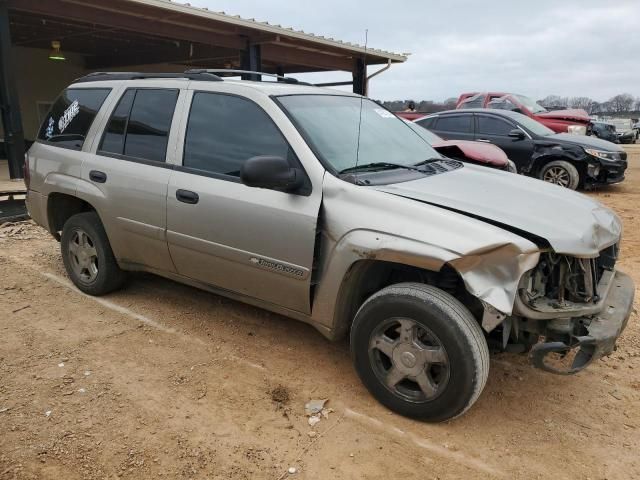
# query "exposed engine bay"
(561, 283)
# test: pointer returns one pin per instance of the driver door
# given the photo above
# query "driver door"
(252, 241)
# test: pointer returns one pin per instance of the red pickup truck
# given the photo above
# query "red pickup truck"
(560, 121)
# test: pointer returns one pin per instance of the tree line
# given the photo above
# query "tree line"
(623, 103)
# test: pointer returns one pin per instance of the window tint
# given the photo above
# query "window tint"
(493, 126)
(454, 123)
(71, 116)
(427, 122)
(139, 126)
(224, 131)
(113, 139)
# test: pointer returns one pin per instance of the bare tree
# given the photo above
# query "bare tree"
(554, 101)
(584, 103)
(622, 103)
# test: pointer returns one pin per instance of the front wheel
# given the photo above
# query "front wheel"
(420, 352)
(562, 173)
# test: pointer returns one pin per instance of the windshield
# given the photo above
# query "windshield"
(330, 124)
(533, 125)
(532, 106)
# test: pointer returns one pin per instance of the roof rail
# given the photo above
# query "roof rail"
(234, 73)
(190, 75)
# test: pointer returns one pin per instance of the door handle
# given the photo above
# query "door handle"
(98, 176)
(187, 196)
(483, 140)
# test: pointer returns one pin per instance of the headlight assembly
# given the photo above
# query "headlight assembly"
(601, 154)
(577, 129)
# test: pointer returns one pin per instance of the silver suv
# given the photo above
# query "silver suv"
(323, 206)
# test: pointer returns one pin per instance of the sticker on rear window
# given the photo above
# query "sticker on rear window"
(384, 113)
(68, 115)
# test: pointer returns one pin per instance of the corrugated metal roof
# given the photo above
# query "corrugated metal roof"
(270, 28)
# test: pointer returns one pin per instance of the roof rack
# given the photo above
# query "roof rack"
(199, 75)
(234, 73)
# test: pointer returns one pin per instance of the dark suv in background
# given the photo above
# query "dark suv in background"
(572, 161)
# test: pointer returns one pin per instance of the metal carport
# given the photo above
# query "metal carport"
(145, 35)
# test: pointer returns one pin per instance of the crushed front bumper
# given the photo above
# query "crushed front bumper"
(602, 332)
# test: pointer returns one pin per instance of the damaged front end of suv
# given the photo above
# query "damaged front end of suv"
(570, 310)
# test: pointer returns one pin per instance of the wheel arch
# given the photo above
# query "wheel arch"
(61, 207)
(366, 277)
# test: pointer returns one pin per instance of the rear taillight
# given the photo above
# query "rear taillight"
(25, 171)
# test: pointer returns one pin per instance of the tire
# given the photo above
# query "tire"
(87, 255)
(511, 167)
(562, 173)
(457, 354)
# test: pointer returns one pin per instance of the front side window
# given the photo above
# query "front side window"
(139, 125)
(223, 131)
(71, 116)
(454, 123)
(493, 126)
(344, 130)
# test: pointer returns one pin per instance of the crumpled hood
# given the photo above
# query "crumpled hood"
(480, 152)
(574, 114)
(571, 222)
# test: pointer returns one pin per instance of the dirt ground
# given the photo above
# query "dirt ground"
(164, 381)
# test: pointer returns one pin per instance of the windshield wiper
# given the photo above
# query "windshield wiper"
(428, 161)
(380, 166)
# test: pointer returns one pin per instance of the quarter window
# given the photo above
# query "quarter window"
(224, 131)
(71, 116)
(454, 123)
(139, 125)
(493, 126)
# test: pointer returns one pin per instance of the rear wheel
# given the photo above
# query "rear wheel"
(562, 173)
(88, 257)
(420, 352)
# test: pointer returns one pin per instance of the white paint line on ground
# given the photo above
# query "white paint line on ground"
(456, 456)
(110, 305)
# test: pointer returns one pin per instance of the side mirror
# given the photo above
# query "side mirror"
(517, 134)
(271, 172)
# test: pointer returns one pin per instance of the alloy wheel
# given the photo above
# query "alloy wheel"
(83, 256)
(409, 360)
(558, 176)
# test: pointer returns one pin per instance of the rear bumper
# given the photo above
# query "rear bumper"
(37, 208)
(602, 332)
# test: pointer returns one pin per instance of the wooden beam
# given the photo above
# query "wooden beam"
(183, 53)
(287, 55)
(122, 20)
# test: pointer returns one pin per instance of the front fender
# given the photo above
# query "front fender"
(491, 274)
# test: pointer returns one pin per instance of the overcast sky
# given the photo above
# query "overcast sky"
(567, 47)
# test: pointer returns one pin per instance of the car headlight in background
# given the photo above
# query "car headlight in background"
(601, 154)
(577, 129)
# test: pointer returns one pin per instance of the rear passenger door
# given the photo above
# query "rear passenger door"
(128, 175)
(252, 241)
(495, 130)
(457, 126)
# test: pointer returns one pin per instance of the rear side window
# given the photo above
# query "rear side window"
(454, 123)
(224, 131)
(71, 116)
(139, 125)
(493, 126)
